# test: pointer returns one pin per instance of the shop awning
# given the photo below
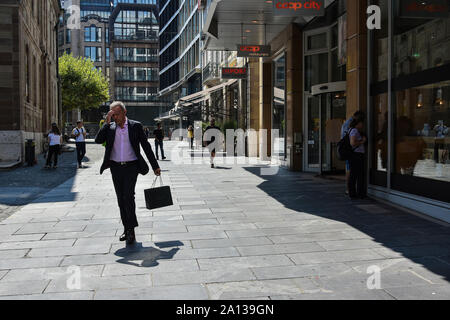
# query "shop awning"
(203, 93)
(228, 20)
(191, 100)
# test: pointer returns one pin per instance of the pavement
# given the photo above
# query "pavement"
(22, 185)
(232, 233)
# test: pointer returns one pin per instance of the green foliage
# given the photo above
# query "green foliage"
(82, 85)
(230, 124)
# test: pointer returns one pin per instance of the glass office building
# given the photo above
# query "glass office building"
(121, 38)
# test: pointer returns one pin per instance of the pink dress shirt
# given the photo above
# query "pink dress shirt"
(122, 150)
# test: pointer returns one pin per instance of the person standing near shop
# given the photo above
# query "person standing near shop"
(344, 130)
(124, 139)
(54, 141)
(210, 143)
(191, 136)
(79, 133)
(356, 185)
(159, 138)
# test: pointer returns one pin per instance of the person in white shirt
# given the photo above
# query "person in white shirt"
(54, 141)
(79, 133)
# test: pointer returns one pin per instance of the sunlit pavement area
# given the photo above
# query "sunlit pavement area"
(232, 233)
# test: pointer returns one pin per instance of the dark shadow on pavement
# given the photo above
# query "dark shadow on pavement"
(408, 236)
(148, 255)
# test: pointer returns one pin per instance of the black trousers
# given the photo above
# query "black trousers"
(356, 181)
(124, 179)
(160, 144)
(53, 152)
(81, 151)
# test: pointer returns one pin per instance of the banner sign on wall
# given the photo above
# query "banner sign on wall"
(234, 73)
(246, 50)
(305, 8)
(424, 9)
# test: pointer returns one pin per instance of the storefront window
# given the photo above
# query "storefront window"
(422, 139)
(419, 43)
(279, 106)
(317, 41)
(418, 145)
(380, 142)
(316, 70)
(380, 44)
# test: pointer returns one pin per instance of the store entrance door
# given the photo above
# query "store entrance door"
(325, 114)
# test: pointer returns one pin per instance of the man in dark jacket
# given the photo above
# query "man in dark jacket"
(123, 139)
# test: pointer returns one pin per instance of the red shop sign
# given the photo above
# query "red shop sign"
(253, 50)
(234, 73)
(309, 8)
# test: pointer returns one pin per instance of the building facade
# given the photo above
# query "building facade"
(324, 66)
(179, 54)
(121, 39)
(29, 87)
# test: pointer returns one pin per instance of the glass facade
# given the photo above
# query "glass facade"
(93, 53)
(136, 25)
(179, 42)
(136, 74)
(92, 34)
(279, 105)
(410, 114)
(126, 54)
(136, 94)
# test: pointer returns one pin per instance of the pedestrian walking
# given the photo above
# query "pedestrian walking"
(124, 138)
(159, 141)
(54, 142)
(209, 143)
(356, 185)
(147, 132)
(344, 130)
(191, 136)
(79, 133)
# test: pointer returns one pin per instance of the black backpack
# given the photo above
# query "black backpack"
(344, 148)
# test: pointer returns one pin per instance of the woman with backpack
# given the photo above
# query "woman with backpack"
(54, 141)
(356, 185)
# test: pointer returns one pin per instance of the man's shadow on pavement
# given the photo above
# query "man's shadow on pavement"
(148, 255)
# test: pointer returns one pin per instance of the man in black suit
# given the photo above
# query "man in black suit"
(123, 138)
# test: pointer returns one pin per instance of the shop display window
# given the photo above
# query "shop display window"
(422, 137)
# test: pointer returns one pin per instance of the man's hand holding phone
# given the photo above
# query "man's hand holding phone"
(109, 116)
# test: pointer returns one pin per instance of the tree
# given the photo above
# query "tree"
(82, 85)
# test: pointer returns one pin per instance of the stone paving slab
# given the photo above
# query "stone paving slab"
(178, 292)
(231, 234)
(22, 287)
(97, 283)
(86, 295)
(25, 263)
(37, 274)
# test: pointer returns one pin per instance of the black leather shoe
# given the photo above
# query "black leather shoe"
(123, 237)
(130, 236)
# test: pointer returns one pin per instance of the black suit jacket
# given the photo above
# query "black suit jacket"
(137, 137)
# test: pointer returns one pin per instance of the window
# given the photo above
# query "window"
(68, 36)
(92, 34)
(93, 53)
(27, 74)
(422, 140)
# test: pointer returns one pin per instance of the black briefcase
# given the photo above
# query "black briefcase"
(158, 197)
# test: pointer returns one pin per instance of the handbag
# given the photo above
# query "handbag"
(158, 197)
